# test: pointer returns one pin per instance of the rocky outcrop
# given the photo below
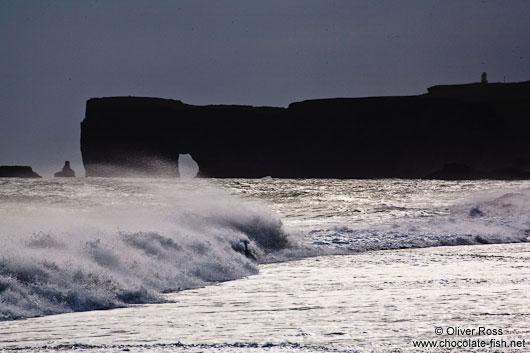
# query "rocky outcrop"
(483, 126)
(66, 172)
(15, 171)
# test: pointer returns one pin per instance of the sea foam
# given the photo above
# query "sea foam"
(96, 244)
(493, 217)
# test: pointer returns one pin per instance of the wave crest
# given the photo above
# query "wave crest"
(108, 255)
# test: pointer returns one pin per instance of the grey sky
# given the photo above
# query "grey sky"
(57, 54)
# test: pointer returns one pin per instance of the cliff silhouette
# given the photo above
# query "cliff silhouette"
(484, 127)
(16, 171)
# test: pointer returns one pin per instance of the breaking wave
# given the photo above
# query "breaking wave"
(95, 243)
(100, 244)
(491, 218)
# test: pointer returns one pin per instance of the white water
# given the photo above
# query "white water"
(371, 302)
(95, 244)
(85, 244)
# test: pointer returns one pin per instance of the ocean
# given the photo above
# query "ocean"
(274, 265)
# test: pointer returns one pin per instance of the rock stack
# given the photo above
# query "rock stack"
(67, 172)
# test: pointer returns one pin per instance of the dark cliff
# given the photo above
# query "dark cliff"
(15, 171)
(485, 127)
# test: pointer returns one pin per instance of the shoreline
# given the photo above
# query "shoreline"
(351, 282)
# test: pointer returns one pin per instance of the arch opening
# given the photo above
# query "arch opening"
(188, 168)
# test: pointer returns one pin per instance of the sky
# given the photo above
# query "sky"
(54, 55)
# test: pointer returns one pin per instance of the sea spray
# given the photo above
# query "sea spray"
(494, 217)
(109, 243)
(96, 243)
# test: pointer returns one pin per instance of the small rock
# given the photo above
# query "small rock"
(67, 172)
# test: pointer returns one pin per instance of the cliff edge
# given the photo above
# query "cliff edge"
(15, 171)
(485, 127)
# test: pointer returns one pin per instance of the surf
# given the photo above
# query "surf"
(101, 244)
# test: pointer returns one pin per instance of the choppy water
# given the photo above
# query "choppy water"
(84, 244)
(393, 213)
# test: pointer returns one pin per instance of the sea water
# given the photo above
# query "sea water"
(261, 265)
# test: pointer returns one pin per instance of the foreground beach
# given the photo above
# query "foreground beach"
(381, 301)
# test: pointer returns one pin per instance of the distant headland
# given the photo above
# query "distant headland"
(469, 131)
(16, 171)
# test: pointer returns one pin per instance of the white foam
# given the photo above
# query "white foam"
(103, 243)
(494, 217)
(96, 243)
